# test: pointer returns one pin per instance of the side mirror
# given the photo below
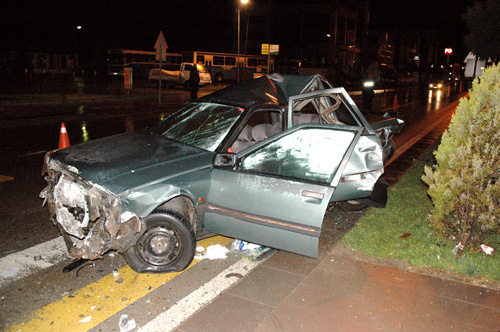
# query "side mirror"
(225, 160)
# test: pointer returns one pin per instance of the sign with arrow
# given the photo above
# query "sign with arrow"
(161, 47)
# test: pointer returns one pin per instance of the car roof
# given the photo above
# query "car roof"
(272, 89)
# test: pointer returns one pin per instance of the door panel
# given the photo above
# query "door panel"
(279, 194)
(266, 210)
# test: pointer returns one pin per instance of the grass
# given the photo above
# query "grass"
(379, 232)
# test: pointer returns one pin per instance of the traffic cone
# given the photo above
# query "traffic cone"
(395, 104)
(63, 137)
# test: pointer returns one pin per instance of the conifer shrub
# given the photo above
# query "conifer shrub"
(464, 184)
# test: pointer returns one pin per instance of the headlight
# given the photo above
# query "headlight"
(368, 84)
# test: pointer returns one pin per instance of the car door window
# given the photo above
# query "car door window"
(310, 154)
(261, 125)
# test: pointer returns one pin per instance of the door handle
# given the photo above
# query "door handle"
(312, 197)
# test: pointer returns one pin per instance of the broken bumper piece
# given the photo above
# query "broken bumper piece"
(91, 220)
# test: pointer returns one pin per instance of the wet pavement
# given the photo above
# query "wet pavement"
(343, 292)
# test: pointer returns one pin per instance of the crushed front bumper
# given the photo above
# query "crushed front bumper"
(91, 219)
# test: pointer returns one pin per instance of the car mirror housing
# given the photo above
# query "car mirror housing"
(225, 160)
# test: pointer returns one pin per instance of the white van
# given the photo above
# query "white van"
(173, 75)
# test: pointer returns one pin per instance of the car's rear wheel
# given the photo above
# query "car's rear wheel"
(352, 205)
(167, 245)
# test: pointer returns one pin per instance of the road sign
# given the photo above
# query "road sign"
(161, 47)
(265, 49)
(448, 51)
(128, 78)
(274, 49)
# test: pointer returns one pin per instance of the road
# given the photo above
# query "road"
(107, 288)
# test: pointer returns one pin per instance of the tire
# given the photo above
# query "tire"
(167, 245)
(352, 205)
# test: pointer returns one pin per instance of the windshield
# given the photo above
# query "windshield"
(202, 125)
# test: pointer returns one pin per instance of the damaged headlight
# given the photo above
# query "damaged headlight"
(71, 207)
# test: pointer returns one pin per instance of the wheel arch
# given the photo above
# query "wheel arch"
(181, 204)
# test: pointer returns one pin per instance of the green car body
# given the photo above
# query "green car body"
(260, 161)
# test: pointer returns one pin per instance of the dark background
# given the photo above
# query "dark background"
(187, 25)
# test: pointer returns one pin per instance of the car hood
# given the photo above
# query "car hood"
(122, 162)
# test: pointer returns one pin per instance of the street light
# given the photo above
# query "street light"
(78, 27)
(75, 63)
(241, 2)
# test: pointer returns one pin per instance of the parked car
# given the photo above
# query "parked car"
(259, 161)
(178, 74)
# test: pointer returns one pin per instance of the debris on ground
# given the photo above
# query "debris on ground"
(487, 250)
(243, 245)
(237, 275)
(215, 251)
(85, 320)
(126, 324)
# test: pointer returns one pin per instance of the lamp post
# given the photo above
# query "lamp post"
(241, 2)
(78, 27)
(75, 63)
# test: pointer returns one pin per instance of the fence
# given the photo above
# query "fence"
(65, 90)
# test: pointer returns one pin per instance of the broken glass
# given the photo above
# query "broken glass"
(201, 125)
(312, 154)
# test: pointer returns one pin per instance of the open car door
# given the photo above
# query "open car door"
(278, 192)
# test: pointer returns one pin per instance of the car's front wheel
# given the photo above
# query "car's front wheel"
(167, 245)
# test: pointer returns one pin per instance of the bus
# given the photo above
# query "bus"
(141, 61)
(222, 66)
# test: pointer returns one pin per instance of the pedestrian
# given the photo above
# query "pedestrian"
(194, 81)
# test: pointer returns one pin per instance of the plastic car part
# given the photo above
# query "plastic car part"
(167, 245)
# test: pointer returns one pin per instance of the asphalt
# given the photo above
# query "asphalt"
(342, 292)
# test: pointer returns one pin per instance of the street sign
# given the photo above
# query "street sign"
(128, 78)
(274, 49)
(448, 51)
(265, 49)
(161, 47)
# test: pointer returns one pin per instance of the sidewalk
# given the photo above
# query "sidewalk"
(340, 293)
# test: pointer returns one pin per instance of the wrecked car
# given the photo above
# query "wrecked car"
(260, 161)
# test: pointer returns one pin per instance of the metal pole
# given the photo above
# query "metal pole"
(159, 80)
(268, 59)
(238, 61)
(246, 49)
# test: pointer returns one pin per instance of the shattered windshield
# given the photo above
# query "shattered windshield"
(202, 125)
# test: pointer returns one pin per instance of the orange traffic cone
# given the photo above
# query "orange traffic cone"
(395, 104)
(63, 137)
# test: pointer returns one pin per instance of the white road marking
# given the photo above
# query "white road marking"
(178, 313)
(23, 263)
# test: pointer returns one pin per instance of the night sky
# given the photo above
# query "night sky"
(187, 25)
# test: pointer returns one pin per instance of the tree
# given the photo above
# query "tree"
(483, 24)
(465, 183)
